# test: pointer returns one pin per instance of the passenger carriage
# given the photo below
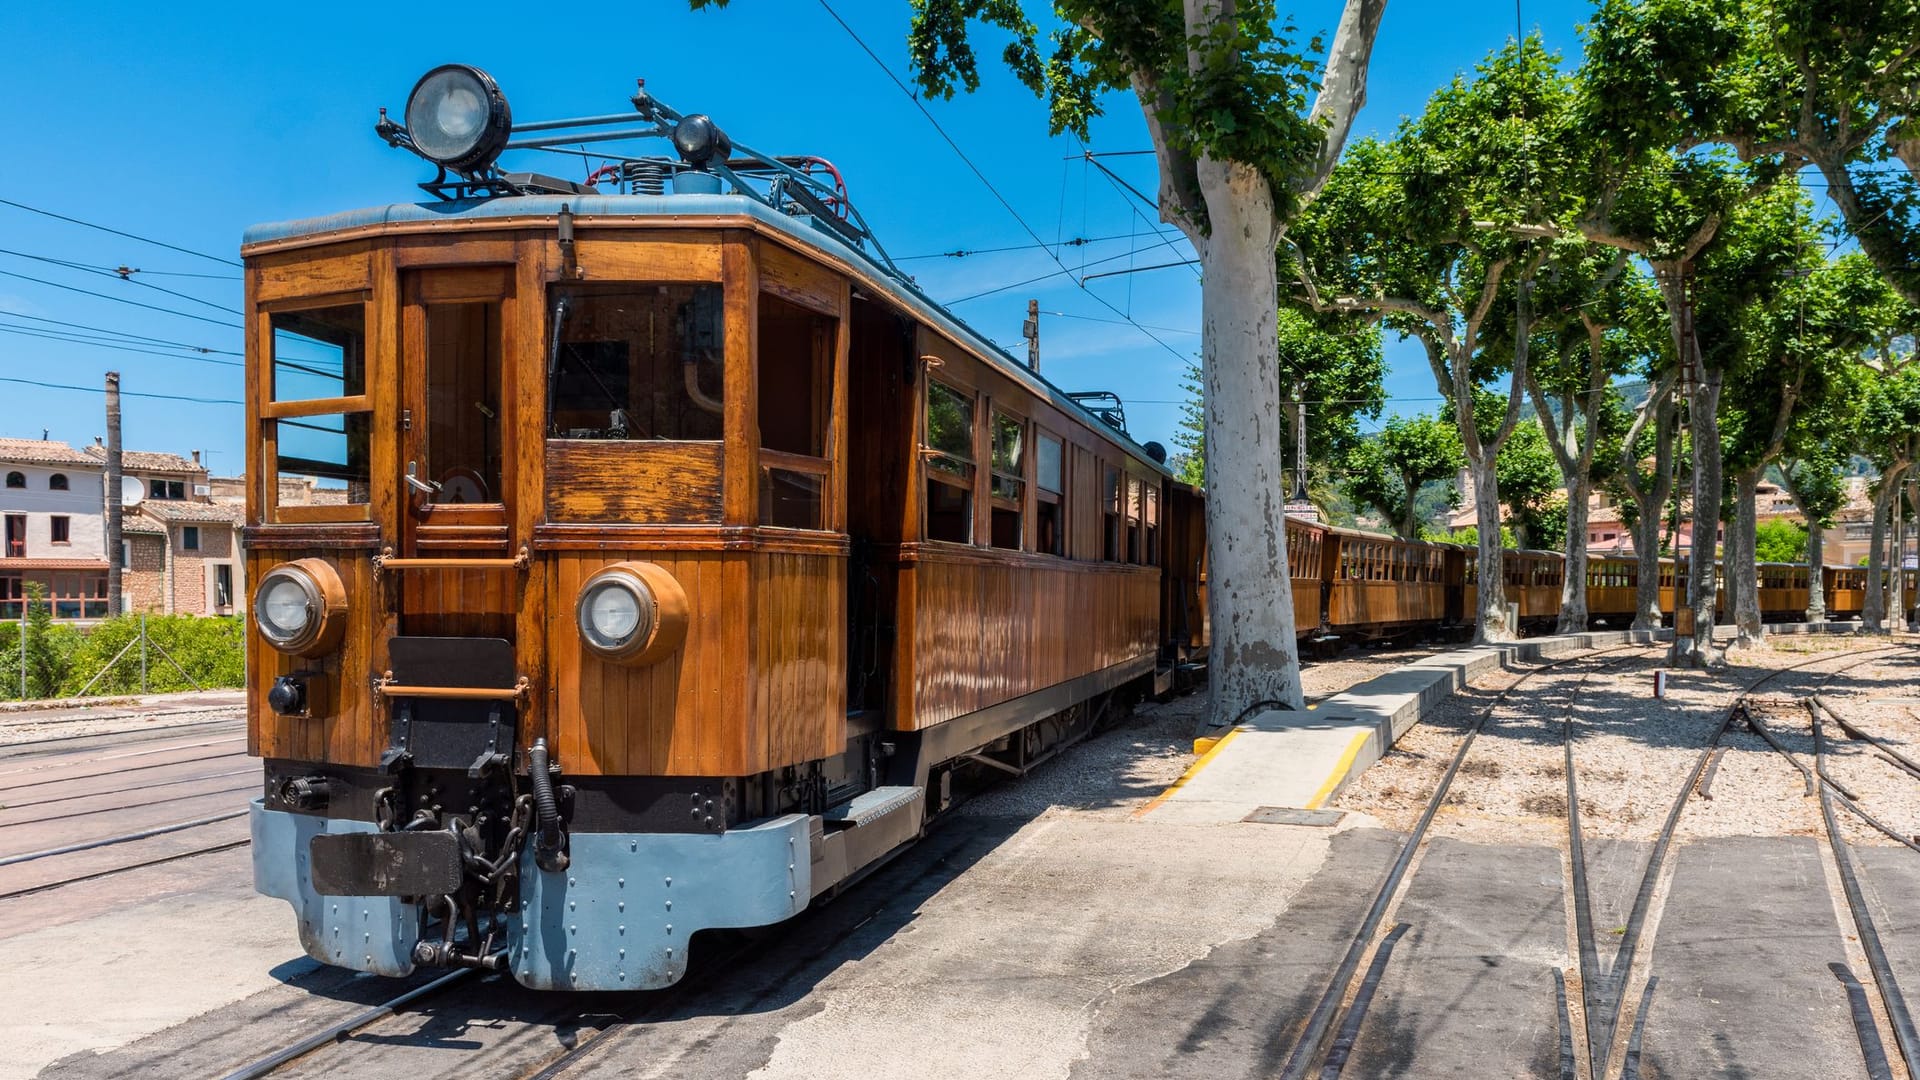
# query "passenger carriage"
(642, 559)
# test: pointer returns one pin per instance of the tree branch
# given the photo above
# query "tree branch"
(1343, 87)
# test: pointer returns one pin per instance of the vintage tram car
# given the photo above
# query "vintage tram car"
(636, 563)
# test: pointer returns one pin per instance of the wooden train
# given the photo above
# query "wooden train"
(645, 556)
(636, 563)
(1355, 585)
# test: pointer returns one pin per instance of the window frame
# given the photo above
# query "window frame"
(269, 412)
(1043, 496)
(58, 482)
(1016, 503)
(189, 538)
(16, 475)
(964, 479)
(60, 529)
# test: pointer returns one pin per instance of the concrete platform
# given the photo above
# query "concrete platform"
(1303, 759)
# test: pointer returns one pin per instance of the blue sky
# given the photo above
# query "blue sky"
(186, 124)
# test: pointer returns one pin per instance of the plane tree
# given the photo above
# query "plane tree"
(1246, 121)
(1438, 234)
(1388, 471)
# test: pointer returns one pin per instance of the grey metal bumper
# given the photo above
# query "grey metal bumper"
(364, 933)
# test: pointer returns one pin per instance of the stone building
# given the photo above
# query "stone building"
(179, 550)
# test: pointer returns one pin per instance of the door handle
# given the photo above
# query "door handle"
(424, 487)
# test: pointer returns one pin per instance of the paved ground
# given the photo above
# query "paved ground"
(1049, 928)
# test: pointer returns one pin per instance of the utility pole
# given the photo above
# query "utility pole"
(114, 598)
(1300, 442)
(1031, 331)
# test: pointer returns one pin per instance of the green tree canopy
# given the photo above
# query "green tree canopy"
(1387, 472)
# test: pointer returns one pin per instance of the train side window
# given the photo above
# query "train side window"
(1110, 502)
(1151, 554)
(949, 454)
(1049, 494)
(796, 411)
(636, 361)
(1135, 513)
(1009, 485)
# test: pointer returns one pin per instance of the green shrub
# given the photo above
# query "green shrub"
(50, 648)
(211, 649)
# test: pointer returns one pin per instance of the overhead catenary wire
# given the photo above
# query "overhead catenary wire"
(119, 276)
(139, 338)
(111, 343)
(123, 393)
(119, 232)
(981, 176)
(1078, 241)
(123, 300)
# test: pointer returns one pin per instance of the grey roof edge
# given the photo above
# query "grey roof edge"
(587, 207)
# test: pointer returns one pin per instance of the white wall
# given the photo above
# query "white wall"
(84, 505)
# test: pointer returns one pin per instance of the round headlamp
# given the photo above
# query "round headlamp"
(300, 607)
(632, 613)
(699, 140)
(457, 117)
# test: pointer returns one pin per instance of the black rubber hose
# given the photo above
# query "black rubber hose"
(547, 851)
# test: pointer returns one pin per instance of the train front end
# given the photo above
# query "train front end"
(547, 546)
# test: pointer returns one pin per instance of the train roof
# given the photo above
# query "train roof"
(678, 208)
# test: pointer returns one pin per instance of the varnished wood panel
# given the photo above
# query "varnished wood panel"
(665, 256)
(798, 655)
(339, 269)
(345, 728)
(800, 281)
(986, 630)
(632, 482)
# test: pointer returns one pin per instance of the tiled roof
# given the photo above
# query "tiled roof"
(146, 461)
(175, 511)
(133, 522)
(43, 452)
(52, 564)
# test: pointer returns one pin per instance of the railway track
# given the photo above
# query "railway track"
(105, 813)
(1610, 1032)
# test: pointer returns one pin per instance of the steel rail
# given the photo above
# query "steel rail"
(127, 838)
(69, 815)
(1611, 991)
(1896, 1002)
(345, 1028)
(1872, 1051)
(1312, 1043)
(116, 772)
(251, 771)
(1902, 761)
(176, 857)
(149, 752)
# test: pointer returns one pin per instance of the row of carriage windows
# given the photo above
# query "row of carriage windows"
(1025, 459)
(646, 363)
(1386, 561)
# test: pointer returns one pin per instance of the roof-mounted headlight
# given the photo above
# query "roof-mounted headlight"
(457, 117)
(301, 607)
(699, 141)
(632, 613)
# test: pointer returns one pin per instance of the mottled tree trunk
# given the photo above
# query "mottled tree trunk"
(1651, 503)
(1816, 586)
(1255, 659)
(1743, 575)
(1702, 578)
(1873, 608)
(1491, 624)
(1573, 591)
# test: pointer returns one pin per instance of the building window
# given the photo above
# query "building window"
(80, 596)
(62, 529)
(223, 586)
(12, 596)
(190, 538)
(57, 482)
(126, 554)
(16, 537)
(167, 489)
(16, 479)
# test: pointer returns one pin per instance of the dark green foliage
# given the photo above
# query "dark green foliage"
(1389, 472)
(50, 646)
(1245, 100)
(1530, 487)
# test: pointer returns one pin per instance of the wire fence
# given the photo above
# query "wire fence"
(41, 658)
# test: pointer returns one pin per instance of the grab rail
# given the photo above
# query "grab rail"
(387, 560)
